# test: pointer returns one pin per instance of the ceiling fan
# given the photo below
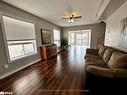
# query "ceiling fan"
(71, 17)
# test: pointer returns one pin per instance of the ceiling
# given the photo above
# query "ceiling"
(111, 8)
(53, 10)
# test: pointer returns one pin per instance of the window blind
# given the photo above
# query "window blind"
(56, 34)
(17, 29)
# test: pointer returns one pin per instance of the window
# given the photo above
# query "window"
(56, 37)
(20, 38)
(80, 38)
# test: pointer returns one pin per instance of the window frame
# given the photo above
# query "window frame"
(5, 38)
(23, 44)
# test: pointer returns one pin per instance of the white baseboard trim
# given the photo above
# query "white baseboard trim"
(18, 69)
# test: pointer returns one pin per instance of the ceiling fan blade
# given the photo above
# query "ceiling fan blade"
(65, 18)
(77, 17)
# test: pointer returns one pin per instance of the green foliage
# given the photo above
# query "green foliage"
(64, 42)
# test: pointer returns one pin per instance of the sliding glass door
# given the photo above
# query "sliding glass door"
(80, 38)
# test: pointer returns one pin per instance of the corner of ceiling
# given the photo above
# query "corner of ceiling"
(112, 6)
(102, 7)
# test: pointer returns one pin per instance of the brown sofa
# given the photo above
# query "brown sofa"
(106, 70)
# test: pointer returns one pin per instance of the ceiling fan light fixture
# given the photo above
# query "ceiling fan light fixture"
(71, 20)
(71, 17)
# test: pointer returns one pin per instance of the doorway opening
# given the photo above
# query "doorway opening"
(81, 38)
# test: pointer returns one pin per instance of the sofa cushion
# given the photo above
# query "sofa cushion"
(99, 70)
(105, 71)
(94, 60)
(118, 60)
(91, 56)
(91, 53)
(102, 51)
(107, 55)
(93, 64)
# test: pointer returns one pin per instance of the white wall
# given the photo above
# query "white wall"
(113, 26)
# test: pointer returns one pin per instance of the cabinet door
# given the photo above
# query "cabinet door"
(48, 51)
(55, 49)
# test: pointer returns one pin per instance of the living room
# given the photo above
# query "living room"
(43, 45)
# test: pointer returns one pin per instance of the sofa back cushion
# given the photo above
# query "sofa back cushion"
(102, 51)
(107, 54)
(118, 60)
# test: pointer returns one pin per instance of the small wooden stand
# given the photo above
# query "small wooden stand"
(48, 51)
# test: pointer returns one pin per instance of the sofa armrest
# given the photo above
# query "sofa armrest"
(107, 72)
(98, 84)
(92, 51)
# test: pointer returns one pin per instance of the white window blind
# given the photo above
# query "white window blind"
(17, 29)
(20, 37)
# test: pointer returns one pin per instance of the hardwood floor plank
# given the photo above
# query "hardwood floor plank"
(60, 75)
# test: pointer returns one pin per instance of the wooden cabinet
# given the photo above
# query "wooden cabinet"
(48, 51)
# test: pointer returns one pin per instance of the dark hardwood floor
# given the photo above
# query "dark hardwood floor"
(61, 75)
